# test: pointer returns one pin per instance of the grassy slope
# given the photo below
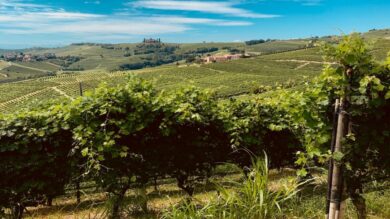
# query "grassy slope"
(17, 71)
(44, 66)
(277, 46)
(312, 54)
(376, 34)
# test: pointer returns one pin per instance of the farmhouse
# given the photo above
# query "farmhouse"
(211, 59)
(27, 58)
(9, 56)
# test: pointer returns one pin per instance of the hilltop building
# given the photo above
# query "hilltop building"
(152, 41)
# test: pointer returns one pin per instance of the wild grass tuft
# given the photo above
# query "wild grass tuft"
(252, 199)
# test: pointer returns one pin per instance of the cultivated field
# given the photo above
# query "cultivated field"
(227, 79)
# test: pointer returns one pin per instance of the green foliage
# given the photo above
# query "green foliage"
(254, 127)
(364, 84)
(367, 146)
(193, 138)
(34, 149)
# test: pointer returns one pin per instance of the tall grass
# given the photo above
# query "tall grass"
(251, 199)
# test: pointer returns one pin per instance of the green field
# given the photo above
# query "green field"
(20, 72)
(44, 66)
(311, 54)
(277, 46)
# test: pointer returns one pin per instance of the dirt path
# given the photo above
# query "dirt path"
(301, 66)
(23, 66)
(304, 61)
(62, 93)
(58, 66)
(4, 75)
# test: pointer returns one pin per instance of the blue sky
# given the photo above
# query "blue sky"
(27, 23)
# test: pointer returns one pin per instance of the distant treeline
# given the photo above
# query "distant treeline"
(202, 50)
(254, 42)
(89, 44)
(233, 50)
(150, 62)
(160, 55)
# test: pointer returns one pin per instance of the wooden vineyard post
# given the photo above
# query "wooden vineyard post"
(78, 192)
(336, 183)
(330, 170)
(336, 179)
(81, 88)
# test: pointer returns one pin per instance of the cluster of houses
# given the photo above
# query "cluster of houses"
(28, 57)
(211, 59)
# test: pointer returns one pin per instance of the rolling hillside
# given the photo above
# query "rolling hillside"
(111, 57)
(227, 79)
(276, 65)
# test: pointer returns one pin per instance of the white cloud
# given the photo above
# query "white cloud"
(133, 26)
(14, 10)
(102, 27)
(309, 2)
(225, 8)
(92, 2)
(46, 16)
(26, 19)
(203, 21)
(17, 4)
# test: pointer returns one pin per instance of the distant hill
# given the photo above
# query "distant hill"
(112, 57)
(277, 63)
(80, 57)
(377, 34)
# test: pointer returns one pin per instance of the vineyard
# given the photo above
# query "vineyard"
(228, 79)
(110, 57)
(18, 95)
(123, 148)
